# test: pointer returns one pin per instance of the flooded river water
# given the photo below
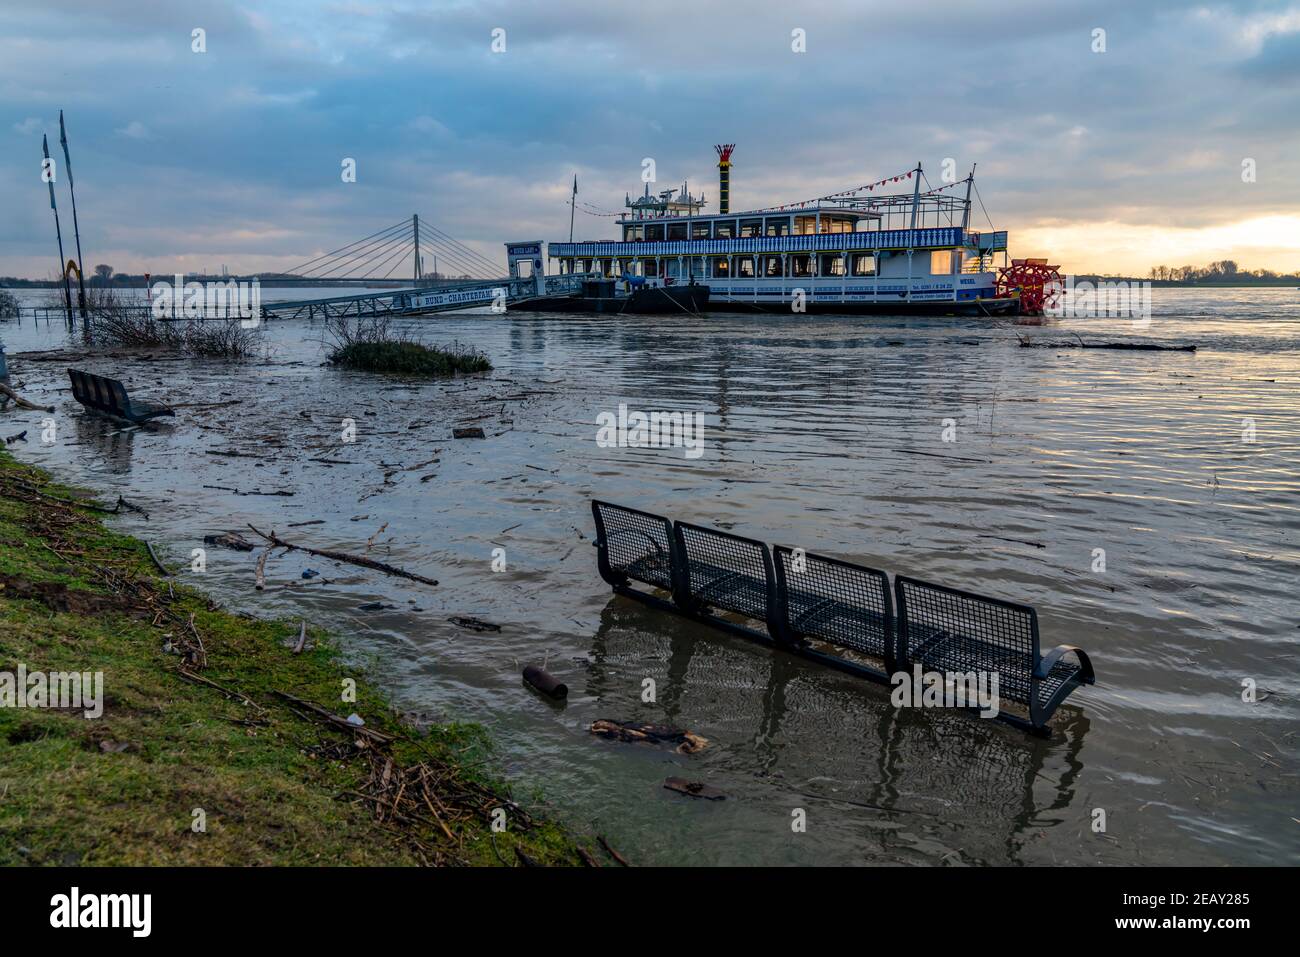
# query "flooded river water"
(820, 432)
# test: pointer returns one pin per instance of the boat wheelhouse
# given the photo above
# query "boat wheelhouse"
(863, 249)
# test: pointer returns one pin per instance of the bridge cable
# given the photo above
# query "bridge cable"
(361, 252)
(343, 249)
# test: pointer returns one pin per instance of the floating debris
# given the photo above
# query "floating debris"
(694, 789)
(232, 540)
(630, 731)
(471, 433)
(474, 624)
(546, 683)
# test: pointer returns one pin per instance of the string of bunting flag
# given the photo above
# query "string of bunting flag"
(592, 210)
(939, 189)
(868, 187)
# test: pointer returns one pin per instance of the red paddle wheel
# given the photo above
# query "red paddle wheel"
(1038, 283)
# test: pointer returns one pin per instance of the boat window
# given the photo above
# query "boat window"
(676, 231)
(772, 266)
(654, 233)
(724, 228)
(832, 265)
(633, 234)
(941, 262)
(778, 225)
(864, 264)
(700, 230)
(720, 268)
(801, 265)
(805, 225)
(751, 227)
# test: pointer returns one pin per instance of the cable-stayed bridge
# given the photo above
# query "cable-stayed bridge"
(381, 256)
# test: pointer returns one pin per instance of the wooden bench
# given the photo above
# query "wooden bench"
(108, 396)
(952, 632)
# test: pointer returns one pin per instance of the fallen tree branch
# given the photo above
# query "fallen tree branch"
(166, 573)
(360, 560)
(337, 720)
(21, 402)
(1028, 343)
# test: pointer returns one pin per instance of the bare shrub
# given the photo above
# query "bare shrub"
(122, 322)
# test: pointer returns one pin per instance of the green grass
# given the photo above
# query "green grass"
(278, 786)
(408, 358)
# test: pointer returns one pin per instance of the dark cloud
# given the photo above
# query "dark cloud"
(234, 155)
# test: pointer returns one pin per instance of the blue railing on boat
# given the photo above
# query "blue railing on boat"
(944, 237)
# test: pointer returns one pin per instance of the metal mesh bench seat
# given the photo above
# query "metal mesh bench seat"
(810, 601)
(836, 602)
(956, 632)
(109, 396)
(634, 545)
(725, 571)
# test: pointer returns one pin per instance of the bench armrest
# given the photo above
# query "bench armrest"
(1049, 660)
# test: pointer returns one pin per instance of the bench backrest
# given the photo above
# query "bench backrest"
(118, 397)
(634, 544)
(836, 601)
(726, 571)
(99, 392)
(929, 615)
(78, 379)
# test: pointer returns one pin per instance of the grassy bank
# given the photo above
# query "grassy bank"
(212, 716)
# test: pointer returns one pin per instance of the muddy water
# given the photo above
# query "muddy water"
(820, 432)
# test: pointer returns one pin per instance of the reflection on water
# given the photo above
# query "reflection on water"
(823, 433)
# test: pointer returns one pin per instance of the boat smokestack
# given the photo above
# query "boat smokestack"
(724, 176)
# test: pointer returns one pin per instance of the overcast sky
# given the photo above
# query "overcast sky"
(1110, 161)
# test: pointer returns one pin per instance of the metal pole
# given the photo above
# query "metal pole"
(916, 193)
(415, 221)
(573, 205)
(76, 229)
(965, 216)
(58, 231)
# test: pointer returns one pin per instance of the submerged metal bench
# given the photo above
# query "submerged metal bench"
(837, 602)
(956, 632)
(101, 394)
(724, 572)
(836, 612)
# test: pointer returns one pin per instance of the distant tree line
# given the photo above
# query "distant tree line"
(1223, 271)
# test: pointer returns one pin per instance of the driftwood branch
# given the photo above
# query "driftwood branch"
(1028, 343)
(337, 720)
(21, 402)
(360, 560)
(157, 561)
